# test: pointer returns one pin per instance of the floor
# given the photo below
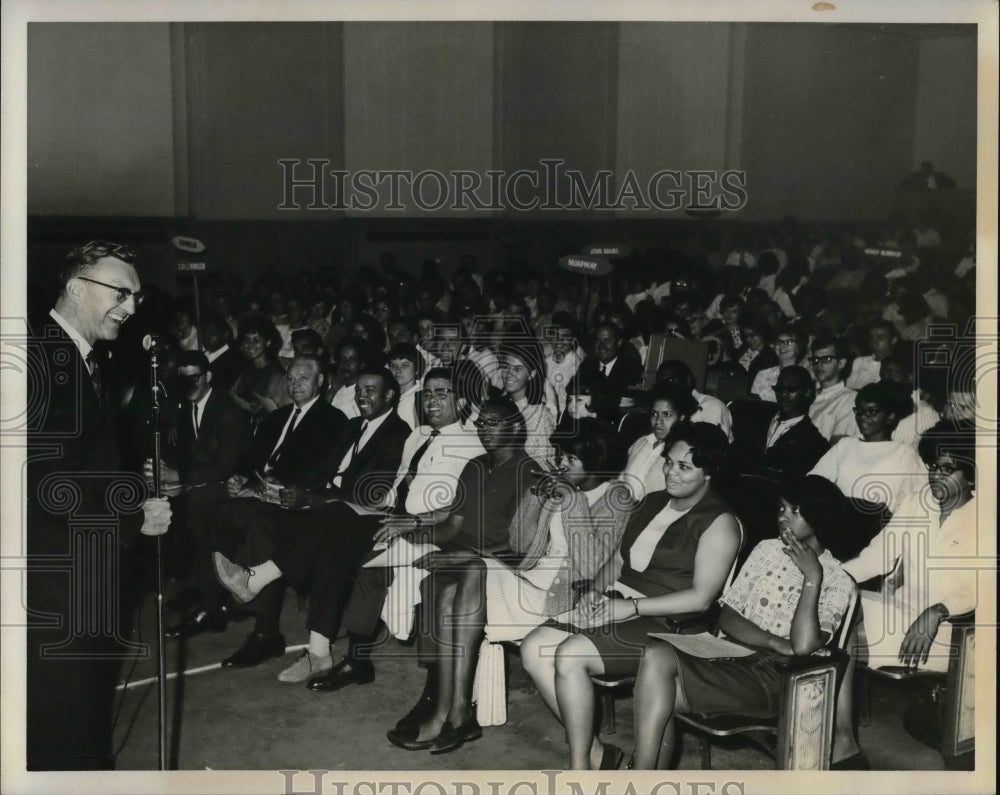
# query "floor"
(227, 719)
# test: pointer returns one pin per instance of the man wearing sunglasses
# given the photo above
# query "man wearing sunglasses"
(74, 473)
(213, 434)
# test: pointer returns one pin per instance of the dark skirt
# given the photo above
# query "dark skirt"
(749, 686)
(621, 644)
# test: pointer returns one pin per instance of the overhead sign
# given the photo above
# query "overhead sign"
(189, 245)
(608, 250)
(588, 265)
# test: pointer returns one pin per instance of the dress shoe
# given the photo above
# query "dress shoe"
(256, 649)
(307, 665)
(406, 738)
(451, 738)
(346, 672)
(421, 711)
(198, 623)
(234, 578)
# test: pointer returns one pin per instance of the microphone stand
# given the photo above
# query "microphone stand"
(161, 666)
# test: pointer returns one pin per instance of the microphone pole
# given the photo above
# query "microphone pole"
(149, 344)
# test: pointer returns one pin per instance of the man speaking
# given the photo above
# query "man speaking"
(83, 516)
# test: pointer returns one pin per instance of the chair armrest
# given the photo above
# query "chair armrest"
(799, 663)
(688, 622)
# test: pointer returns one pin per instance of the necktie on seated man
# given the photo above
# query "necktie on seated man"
(403, 490)
(349, 456)
(273, 460)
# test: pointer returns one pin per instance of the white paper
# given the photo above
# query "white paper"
(704, 644)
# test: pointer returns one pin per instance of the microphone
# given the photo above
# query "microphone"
(150, 342)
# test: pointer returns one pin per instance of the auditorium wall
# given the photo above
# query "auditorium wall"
(189, 120)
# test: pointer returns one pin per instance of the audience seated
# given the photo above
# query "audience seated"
(902, 622)
(882, 337)
(643, 473)
(789, 346)
(424, 486)
(562, 360)
(565, 529)
(357, 493)
(286, 450)
(917, 415)
(832, 412)
(522, 365)
(790, 598)
(407, 366)
(875, 472)
(260, 386)
(781, 442)
(673, 560)
(674, 372)
(212, 435)
(223, 359)
(607, 373)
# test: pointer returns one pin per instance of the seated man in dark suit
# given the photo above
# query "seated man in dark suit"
(774, 445)
(606, 374)
(288, 449)
(223, 359)
(489, 490)
(212, 435)
(330, 550)
(361, 468)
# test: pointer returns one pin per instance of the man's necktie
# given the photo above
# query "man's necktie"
(348, 459)
(604, 371)
(404, 485)
(194, 418)
(273, 460)
(95, 374)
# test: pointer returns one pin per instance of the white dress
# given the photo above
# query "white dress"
(515, 599)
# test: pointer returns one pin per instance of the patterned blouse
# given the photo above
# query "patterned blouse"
(767, 590)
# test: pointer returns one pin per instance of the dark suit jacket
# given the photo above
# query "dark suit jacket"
(790, 458)
(372, 471)
(225, 369)
(74, 474)
(305, 448)
(72, 443)
(222, 441)
(606, 391)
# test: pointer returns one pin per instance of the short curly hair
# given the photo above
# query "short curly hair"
(708, 443)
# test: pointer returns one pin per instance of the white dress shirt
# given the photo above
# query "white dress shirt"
(198, 411)
(643, 473)
(832, 412)
(939, 563)
(343, 399)
(82, 345)
(369, 428)
(434, 485)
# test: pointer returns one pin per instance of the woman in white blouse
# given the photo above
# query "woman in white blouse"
(643, 472)
(875, 472)
(789, 345)
(523, 370)
(407, 365)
